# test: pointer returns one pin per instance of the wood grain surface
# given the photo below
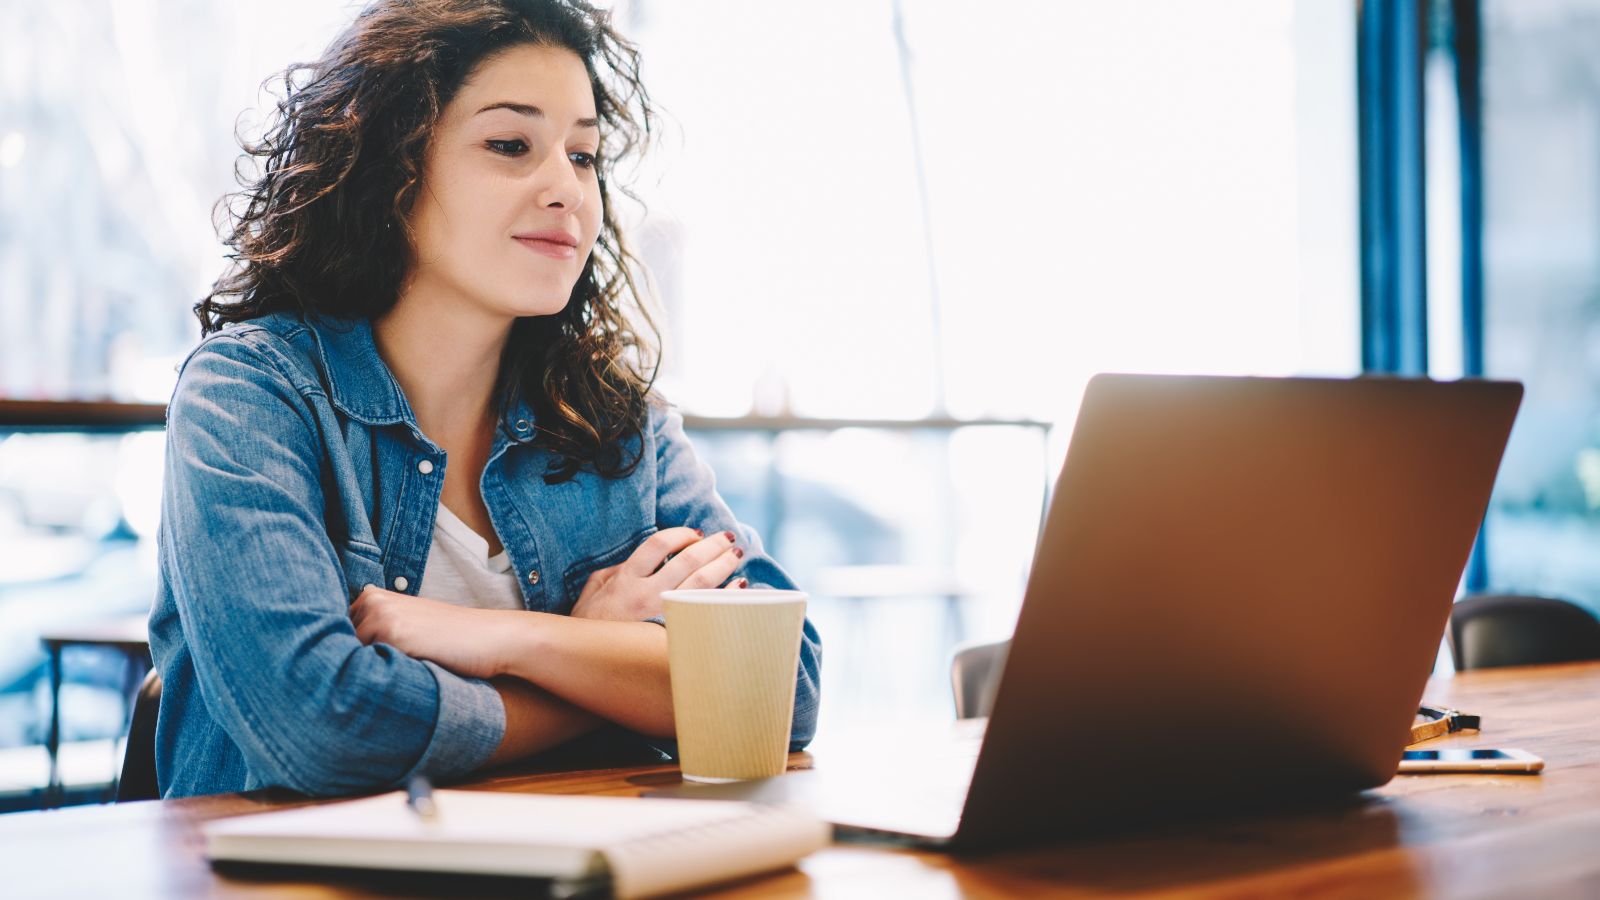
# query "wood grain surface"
(1485, 835)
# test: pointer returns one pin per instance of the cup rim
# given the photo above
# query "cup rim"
(743, 597)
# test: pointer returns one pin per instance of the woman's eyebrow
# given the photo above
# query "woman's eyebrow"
(528, 109)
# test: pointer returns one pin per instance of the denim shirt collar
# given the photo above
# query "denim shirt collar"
(361, 386)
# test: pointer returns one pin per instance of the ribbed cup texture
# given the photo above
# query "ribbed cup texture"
(733, 675)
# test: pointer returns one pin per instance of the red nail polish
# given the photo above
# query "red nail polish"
(699, 532)
(744, 582)
(729, 535)
(737, 553)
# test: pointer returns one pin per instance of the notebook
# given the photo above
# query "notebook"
(641, 848)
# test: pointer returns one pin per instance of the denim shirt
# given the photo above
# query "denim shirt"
(296, 475)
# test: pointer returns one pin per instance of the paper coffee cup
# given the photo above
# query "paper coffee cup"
(733, 656)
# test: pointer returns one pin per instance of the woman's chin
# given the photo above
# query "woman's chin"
(524, 308)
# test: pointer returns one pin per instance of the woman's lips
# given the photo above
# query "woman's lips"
(556, 245)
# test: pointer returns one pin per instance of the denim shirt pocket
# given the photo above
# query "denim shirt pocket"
(578, 573)
(362, 564)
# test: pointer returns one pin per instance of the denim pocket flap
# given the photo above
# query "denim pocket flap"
(363, 565)
(578, 574)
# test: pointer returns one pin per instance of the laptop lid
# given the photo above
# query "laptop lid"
(1238, 596)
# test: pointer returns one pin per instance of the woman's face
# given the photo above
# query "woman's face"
(509, 205)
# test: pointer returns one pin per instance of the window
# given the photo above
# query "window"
(1141, 186)
(116, 137)
(911, 209)
(1542, 290)
(860, 209)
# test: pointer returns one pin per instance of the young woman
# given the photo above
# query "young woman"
(420, 501)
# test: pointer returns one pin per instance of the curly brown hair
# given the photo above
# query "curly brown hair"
(323, 230)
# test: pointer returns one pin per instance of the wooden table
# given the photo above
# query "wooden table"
(1420, 835)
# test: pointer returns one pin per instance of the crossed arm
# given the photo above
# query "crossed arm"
(310, 704)
(561, 676)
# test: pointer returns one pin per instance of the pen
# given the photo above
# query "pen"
(419, 796)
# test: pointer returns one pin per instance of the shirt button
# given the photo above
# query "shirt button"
(400, 583)
(533, 576)
(425, 467)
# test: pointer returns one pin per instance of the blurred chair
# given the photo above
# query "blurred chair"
(138, 781)
(1489, 630)
(975, 676)
(127, 635)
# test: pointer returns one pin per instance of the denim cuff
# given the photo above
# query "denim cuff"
(471, 724)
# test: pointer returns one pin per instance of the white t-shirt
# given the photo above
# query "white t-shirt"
(461, 571)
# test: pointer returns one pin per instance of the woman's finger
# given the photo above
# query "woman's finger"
(713, 573)
(653, 551)
(677, 572)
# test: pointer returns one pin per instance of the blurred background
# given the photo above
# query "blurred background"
(892, 240)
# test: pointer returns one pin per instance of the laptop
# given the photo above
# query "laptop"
(1236, 601)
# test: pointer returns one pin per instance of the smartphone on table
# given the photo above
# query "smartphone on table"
(1461, 759)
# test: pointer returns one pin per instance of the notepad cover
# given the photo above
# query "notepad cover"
(645, 846)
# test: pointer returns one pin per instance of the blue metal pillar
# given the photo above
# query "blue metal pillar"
(1390, 46)
(1466, 43)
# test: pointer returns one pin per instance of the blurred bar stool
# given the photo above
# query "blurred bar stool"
(129, 636)
(1489, 630)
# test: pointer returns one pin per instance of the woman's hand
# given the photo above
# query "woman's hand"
(671, 559)
(466, 641)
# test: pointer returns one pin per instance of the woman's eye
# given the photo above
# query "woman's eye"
(508, 147)
(582, 160)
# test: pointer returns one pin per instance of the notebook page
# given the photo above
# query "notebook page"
(756, 840)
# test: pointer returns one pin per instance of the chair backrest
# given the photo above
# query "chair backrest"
(1491, 630)
(138, 781)
(975, 676)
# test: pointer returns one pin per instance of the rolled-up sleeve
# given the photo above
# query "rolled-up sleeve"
(686, 494)
(263, 603)
(469, 728)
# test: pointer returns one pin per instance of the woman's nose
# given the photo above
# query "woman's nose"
(557, 183)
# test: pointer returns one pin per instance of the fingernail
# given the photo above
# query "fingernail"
(737, 553)
(729, 535)
(744, 582)
(699, 532)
